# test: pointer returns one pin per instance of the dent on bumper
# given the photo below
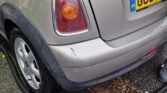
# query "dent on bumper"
(96, 58)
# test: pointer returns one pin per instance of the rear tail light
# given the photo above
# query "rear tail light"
(69, 17)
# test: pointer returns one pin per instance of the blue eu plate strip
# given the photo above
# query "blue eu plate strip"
(132, 5)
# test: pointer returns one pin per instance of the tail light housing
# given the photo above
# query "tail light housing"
(69, 18)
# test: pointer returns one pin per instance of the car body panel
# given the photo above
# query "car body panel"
(100, 58)
(115, 20)
(39, 12)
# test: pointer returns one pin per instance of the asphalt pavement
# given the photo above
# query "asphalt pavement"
(7, 83)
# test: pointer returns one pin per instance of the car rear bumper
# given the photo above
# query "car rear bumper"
(96, 58)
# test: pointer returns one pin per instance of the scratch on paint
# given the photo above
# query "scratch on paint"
(73, 51)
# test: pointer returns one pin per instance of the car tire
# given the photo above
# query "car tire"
(25, 77)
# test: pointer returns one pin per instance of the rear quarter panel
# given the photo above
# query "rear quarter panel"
(39, 12)
(31, 9)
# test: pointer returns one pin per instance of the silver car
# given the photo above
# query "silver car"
(74, 44)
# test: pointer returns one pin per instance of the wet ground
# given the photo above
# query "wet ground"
(141, 80)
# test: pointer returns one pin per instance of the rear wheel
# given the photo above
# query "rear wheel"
(27, 63)
(31, 74)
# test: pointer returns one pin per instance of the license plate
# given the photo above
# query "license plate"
(137, 5)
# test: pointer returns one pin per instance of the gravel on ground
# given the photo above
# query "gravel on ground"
(143, 79)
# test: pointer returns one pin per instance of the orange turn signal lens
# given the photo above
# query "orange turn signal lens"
(69, 11)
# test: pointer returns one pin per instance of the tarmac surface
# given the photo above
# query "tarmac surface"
(7, 83)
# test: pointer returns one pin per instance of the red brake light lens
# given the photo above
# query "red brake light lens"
(69, 17)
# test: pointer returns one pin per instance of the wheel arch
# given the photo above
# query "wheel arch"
(8, 25)
(13, 17)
